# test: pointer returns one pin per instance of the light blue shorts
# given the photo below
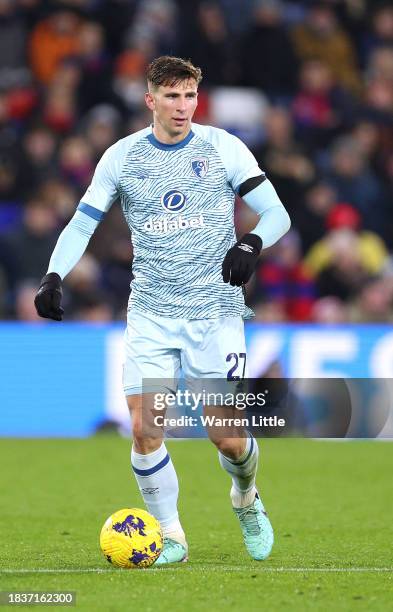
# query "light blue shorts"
(159, 348)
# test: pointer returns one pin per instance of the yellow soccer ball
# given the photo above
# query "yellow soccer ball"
(131, 538)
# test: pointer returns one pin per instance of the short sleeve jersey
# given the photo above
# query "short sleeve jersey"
(178, 201)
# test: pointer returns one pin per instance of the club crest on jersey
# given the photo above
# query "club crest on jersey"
(173, 201)
(200, 166)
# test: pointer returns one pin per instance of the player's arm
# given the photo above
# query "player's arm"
(75, 237)
(69, 249)
(274, 220)
(251, 184)
(240, 261)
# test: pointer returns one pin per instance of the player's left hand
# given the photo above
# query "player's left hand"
(48, 298)
(240, 261)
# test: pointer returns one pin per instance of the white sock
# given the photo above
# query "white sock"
(159, 487)
(243, 472)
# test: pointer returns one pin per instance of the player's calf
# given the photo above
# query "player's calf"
(147, 436)
(247, 505)
(230, 447)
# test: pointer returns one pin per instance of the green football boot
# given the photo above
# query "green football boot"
(257, 530)
(172, 552)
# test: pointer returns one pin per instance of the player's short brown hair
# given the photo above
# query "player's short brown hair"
(169, 70)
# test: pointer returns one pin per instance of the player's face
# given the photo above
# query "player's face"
(173, 108)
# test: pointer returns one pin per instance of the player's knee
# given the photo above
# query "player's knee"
(134, 403)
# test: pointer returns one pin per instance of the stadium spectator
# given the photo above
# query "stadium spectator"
(60, 100)
(373, 303)
(378, 102)
(309, 217)
(321, 37)
(25, 249)
(266, 39)
(355, 183)
(9, 189)
(380, 64)
(283, 279)
(12, 41)
(368, 138)
(238, 14)
(345, 274)
(269, 310)
(22, 308)
(380, 34)
(321, 108)
(92, 307)
(37, 161)
(209, 44)
(82, 289)
(116, 274)
(53, 39)
(284, 159)
(94, 86)
(153, 29)
(61, 196)
(76, 162)
(342, 217)
(115, 16)
(128, 83)
(389, 175)
(102, 128)
(329, 310)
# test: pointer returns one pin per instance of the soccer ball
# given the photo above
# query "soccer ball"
(131, 538)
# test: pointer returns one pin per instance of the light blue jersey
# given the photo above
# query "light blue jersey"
(178, 201)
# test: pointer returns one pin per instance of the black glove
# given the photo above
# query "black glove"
(239, 263)
(48, 298)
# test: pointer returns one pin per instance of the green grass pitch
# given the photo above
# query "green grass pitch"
(330, 504)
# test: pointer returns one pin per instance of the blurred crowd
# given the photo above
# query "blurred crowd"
(308, 85)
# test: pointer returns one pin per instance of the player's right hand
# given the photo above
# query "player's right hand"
(241, 259)
(48, 299)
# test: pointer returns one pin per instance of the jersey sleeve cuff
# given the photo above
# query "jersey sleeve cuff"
(90, 211)
(250, 184)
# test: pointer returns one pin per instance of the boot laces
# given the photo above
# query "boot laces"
(249, 518)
